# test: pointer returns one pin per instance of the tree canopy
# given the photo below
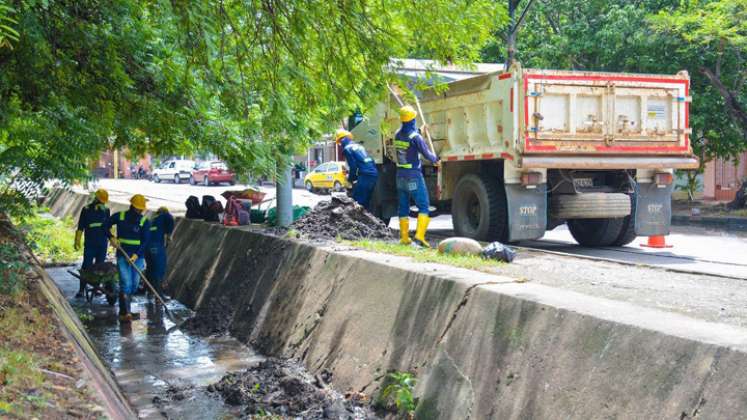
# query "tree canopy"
(705, 37)
(247, 80)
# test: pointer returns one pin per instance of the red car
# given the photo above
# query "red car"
(209, 173)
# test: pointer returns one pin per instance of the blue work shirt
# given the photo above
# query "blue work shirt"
(358, 160)
(133, 231)
(162, 224)
(409, 145)
(92, 221)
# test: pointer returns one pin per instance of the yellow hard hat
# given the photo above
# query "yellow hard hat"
(407, 113)
(102, 195)
(138, 201)
(341, 134)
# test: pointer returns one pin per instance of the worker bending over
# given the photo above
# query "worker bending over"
(91, 226)
(133, 233)
(161, 227)
(363, 171)
(409, 145)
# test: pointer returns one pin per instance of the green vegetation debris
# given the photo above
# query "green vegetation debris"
(472, 262)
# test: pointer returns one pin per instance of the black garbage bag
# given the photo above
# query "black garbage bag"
(498, 251)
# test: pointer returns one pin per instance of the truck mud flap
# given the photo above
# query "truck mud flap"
(653, 210)
(527, 211)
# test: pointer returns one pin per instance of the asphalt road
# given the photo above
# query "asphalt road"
(694, 250)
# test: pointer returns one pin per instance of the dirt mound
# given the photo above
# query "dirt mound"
(212, 319)
(341, 216)
(277, 387)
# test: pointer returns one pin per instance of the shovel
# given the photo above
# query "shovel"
(152, 289)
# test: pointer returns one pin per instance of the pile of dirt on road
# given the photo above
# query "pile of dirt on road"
(341, 217)
(210, 320)
(283, 388)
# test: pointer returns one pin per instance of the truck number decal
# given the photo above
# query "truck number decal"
(528, 210)
(655, 208)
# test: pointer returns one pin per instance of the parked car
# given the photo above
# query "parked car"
(330, 176)
(173, 170)
(212, 172)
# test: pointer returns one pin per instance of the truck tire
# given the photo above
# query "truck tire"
(627, 233)
(596, 232)
(479, 209)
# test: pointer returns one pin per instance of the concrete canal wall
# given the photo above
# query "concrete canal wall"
(482, 346)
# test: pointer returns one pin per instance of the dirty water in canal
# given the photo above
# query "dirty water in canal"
(176, 374)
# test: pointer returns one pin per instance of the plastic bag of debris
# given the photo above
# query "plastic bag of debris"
(499, 252)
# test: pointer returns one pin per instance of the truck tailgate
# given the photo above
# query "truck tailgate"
(605, 113)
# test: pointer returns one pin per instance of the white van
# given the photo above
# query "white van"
(174, 170)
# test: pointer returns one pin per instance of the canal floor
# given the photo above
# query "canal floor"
(147, 358)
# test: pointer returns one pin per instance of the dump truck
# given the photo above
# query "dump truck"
(525, 150)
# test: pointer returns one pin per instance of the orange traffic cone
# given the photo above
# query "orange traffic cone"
(657, 241)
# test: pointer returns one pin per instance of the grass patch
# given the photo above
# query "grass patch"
(472, 262)
(50, 239)
(19, 376)
(12, 269)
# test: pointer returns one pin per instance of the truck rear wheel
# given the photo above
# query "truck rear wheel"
(627, 233)
(596, 232)
(479, 209)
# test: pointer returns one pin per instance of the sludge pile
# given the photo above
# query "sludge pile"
(343, 217)
(282, 388)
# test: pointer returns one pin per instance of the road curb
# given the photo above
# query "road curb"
(723, 223)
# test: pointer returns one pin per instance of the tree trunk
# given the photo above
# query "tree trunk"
(731, 101)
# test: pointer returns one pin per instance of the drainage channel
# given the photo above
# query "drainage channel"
(149, 362)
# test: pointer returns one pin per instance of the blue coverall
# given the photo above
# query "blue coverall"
(362, 169)
(91, 222)
(133, 234)
(409, 145)
(155, 254)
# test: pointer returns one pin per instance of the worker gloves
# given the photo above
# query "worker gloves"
(76, 244)
(133, 258)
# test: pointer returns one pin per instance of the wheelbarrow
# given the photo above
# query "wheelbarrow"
(102, 278)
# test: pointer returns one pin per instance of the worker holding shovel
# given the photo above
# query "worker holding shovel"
(133, 233)
(409, 145)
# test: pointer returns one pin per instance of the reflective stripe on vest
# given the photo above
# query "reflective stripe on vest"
(95, 225)
(153, 228)
(122, 217)
(130, 241)
(399, 144)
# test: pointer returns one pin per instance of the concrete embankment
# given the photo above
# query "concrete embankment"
(482, 345)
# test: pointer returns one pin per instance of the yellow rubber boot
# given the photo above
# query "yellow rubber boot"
(404, 231)
(423, 221)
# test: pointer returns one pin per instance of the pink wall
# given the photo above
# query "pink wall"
(722, 178)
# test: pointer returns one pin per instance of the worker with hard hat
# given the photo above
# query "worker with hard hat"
(91, 223)
(133, 234)
(362, 169)
(161, 227)
(409, 145)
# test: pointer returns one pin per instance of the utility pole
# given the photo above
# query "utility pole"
(284, 194)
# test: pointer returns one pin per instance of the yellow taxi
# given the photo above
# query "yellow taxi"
(329, 176)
